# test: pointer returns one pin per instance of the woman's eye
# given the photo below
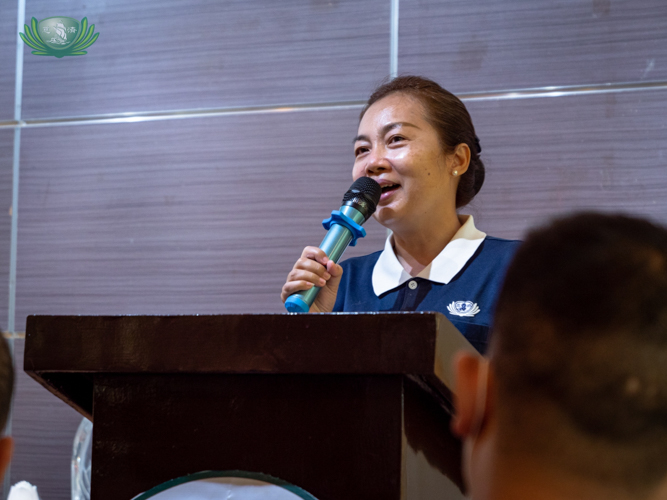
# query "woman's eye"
(396, 138)
(360, 150)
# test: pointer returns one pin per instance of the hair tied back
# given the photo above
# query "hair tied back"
(477, 145)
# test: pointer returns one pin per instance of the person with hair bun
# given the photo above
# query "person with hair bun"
(418, 142)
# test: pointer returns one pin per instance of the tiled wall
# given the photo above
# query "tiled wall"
(183, 163)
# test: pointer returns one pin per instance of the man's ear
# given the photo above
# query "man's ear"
(466, 367)
(6, 450)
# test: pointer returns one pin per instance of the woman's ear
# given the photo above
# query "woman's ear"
(460, 159)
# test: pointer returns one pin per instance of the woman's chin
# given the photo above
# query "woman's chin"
(385, 216)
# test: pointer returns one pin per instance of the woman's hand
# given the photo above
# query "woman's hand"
(314, 269)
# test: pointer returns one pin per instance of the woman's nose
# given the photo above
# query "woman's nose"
(377, 162)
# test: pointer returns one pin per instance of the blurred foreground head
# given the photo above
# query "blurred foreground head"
(577, 382)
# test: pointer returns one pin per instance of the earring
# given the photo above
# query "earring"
(456, 172)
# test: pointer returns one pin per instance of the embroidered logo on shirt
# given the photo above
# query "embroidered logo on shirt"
(463, 308)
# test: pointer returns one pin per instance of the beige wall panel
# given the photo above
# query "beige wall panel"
(491, 45)
(182, 216)
(169, 55)
(550, 156)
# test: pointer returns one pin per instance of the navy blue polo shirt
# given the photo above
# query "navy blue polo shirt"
(467, 299)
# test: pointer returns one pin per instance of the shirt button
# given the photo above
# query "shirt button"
(412, 284)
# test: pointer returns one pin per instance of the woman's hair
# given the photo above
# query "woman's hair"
(451, 120)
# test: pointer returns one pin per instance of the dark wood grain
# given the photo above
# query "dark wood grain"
(8, 34)
(43, 429)
(336, 437)
(6, 158)
(379, 343)
(550, 156)
(177, 217)
(339, 404)
(416, 344)
(157, 55)
(491, 45)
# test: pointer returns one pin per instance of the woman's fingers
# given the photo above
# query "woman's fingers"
(314, 268)
(294, 286)
(315, 254)
(308, 276)
(308, 271)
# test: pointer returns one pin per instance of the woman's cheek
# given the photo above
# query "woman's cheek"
(357, 171)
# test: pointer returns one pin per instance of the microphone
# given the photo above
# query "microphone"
(344, 227)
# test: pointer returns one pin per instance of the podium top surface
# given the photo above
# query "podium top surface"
(63, 353)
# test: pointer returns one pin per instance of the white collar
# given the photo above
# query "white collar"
(388, 272)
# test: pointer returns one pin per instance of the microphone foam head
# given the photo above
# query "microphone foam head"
(365, 192)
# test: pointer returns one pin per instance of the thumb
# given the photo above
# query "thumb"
(326, 299)
(334, 269)
(336, 273)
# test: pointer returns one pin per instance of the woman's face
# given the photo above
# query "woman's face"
(399, 149)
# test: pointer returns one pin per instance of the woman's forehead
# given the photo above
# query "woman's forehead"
(394, 107)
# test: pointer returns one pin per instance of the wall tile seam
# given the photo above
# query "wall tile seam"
(564, 91)
(393, 38)
(141, 116)
(13, 237)
(13, 244)
(18, 98)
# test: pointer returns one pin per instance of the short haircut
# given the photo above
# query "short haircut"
(6, 382)
(581, 329)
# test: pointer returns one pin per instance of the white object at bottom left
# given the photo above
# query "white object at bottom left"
(23, 491)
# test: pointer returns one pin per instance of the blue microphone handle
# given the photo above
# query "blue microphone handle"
(334, 244)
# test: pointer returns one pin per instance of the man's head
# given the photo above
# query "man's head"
(578, 368)
(6, 390)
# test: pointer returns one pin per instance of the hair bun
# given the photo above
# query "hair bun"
(477, 145)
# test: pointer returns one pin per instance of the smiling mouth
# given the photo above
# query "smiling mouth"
(390, 188)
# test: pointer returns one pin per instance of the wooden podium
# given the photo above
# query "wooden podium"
(345, 406)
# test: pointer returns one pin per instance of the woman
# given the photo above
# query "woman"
(418, 142)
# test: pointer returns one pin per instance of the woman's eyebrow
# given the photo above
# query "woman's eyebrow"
(385, 129)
